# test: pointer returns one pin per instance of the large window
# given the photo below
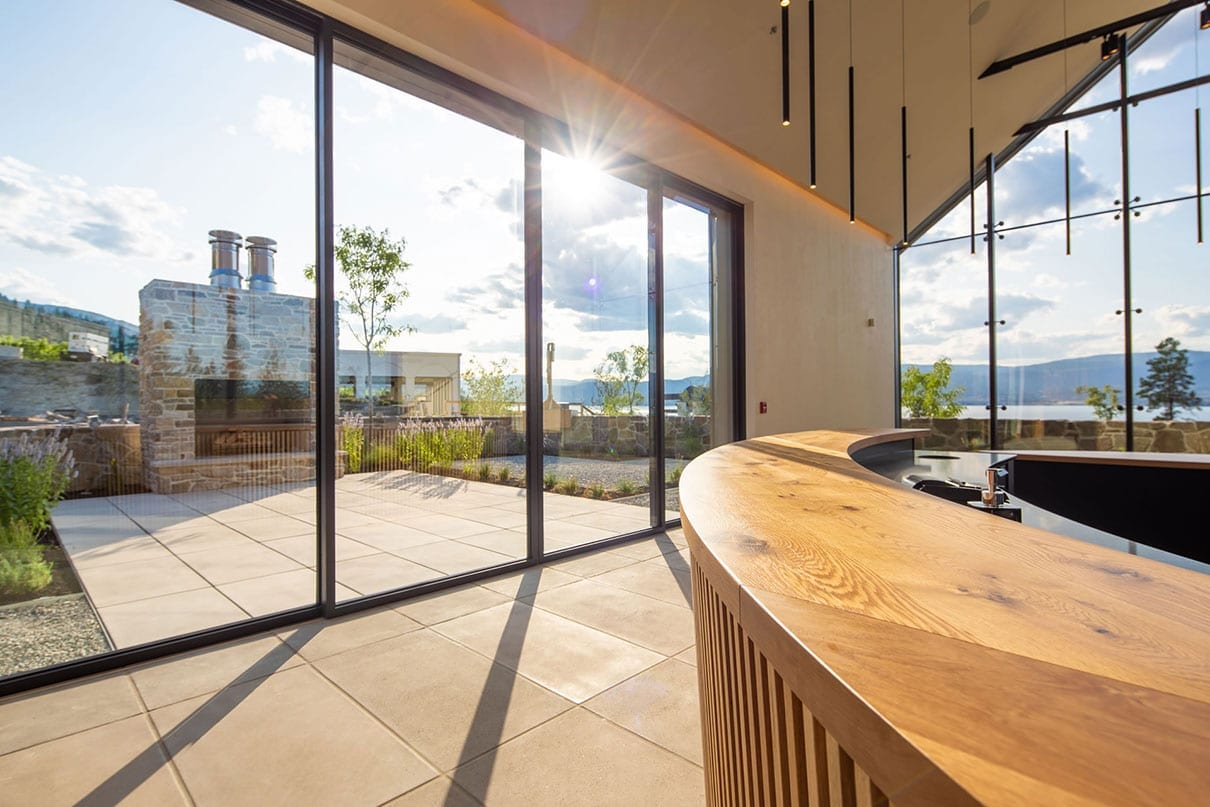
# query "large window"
(1097, 327)
(220, 427)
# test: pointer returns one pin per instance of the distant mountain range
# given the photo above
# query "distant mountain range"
(585, 391)
(123, 335)
(1055, 382)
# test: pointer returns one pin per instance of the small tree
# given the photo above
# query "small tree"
(488, 391)
(1168, 385)
(617, 379)
(1103, 400)
(694, 400)
(927, 394)
(372, 264)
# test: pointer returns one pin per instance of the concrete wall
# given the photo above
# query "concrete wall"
(814, 280)
(30, 388)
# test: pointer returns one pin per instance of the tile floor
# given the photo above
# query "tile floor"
(157, 565)
(569, 684)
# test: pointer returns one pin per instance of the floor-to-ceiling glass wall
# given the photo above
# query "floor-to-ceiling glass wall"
(429, 278)
(596, 437)
(157, 333)
(1100, 300)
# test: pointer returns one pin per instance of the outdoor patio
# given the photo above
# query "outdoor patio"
(571, 683)
(157, 566)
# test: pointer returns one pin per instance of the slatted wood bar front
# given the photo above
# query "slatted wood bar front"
(860, 643)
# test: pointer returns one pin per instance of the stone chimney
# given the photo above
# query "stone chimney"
(260, 263)
(224, 259)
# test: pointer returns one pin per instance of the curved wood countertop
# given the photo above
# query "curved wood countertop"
(955, 656)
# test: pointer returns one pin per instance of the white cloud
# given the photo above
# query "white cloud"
(230, 129)
(21, 284)
(268, 51)
(63, 215)
(287, 127)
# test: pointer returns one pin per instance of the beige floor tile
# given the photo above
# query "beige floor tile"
(649, 623)
(247, 511)
(199, 536)
(506, 542)
(560, 534)
(344, 518)
(446, 526)
(584, 760)
(322, 638)
(141, 621)
(452, 557)
(275, 526)
(529, 581)
(653, 578)
(648, 548)
(445, 701)
(288, 504)
(496, 517)
(451, 604)
(291, 738)
(568, 658)
(118, 762)
(593, 563)
(125, 550)
(440, 792)
(209, 501)
(382, 572)
(302, 548)
(171, 521)
(229, 564)
(392, 538)
(84, 507)
(688, 656)
(48, 714)
(201, 672)
(393, 512)
(84, 533)
(619, 522)
(660, 704)
(149, 504)
(274, 592)
(126, 582)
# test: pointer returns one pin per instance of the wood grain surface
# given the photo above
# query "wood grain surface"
(951, 657)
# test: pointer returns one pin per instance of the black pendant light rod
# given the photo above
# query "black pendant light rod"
(1197, 145)
(852, 158)
(972, 187)
(785, 63)
(1165, 10)
(811, 83)
(904, 165)
(1067, 185)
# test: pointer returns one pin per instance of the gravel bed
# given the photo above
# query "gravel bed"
(54, 630)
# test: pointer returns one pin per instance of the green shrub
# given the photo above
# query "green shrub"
(626, 487)
(570, 486)
(382, 458)
(597, 490)
(549, 480)
(485, 472)
(23, 569)
(503, 473)
(36, 349)
(352, 441)
(674, 476)
(34, 475)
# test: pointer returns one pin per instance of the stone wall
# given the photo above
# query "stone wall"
(1176, 436)
(109, 460)
(30, 388)
(190, 332)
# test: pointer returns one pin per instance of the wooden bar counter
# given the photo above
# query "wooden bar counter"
(861, 643)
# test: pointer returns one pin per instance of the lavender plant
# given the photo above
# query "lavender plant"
(352, 440)
(34, 475)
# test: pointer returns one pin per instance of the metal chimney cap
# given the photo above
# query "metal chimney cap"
(259, 241)
(229, 236)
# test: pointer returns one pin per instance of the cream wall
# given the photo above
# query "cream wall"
(813, 280)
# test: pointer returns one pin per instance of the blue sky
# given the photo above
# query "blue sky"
(132, 141)
(1058, 306)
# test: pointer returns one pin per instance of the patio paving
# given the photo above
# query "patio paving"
(157, 565)
(565, 684)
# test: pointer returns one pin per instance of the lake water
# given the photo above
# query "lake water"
(1036, 412)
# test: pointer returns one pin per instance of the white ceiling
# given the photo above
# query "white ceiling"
(718, 63)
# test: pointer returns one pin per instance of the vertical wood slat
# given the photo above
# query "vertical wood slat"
(761, 743)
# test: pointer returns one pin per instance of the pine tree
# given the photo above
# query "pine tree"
(1168, 385)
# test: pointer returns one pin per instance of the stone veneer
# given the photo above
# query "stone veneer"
(1176, 436)
(190, 331)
